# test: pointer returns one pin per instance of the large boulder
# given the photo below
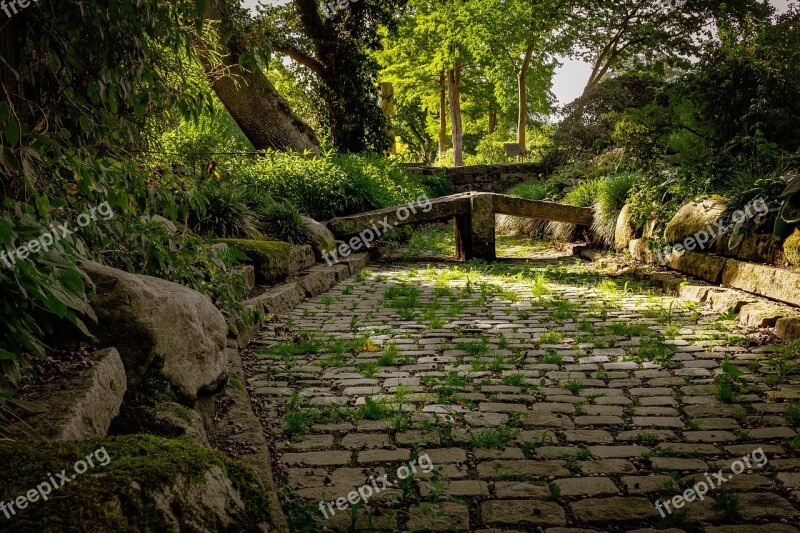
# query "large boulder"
(791, 248)
(694, 217)
(161, 329)
(80, 406)
(131, 483)
(624, 232)
(322, 240)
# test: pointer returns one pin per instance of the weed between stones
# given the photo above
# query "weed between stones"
(376, 486)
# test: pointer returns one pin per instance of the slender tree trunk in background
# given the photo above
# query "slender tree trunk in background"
(522, 78)
(492, 122)
(454, 86)
(442, 114)
(264, 117)
(387, 105)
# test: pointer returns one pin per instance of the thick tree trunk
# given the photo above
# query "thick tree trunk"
(454, 86)
(522, 79)
(492, 122)
(264, 117)
(442, 114)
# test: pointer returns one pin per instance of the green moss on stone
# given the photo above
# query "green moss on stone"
(791, 248)
(178, 410)
(270, 258)
(118, 496)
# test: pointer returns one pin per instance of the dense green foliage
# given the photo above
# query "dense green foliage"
(326, 187)
(70, 118)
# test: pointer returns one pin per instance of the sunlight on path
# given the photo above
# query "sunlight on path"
(543, 393)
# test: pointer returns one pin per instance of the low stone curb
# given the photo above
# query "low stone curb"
(236, 425)
(80, 407)
(285, 297)
(238, 428)
(753, 309)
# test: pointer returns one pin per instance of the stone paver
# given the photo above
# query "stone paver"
(514, 397)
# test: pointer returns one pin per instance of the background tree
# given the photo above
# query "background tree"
(646, 32)
(248, 95)
(336, 49)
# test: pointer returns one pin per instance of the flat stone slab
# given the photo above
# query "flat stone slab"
(776, 283)
(80, 407)
(522, 513)
(617, 509)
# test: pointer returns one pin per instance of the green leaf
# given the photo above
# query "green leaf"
(43, 205)
(12, 131)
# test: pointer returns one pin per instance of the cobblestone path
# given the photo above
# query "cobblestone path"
(532, 395)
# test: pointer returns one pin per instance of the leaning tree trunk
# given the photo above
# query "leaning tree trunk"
(264, 117)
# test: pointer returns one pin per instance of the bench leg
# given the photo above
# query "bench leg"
(483, 227)
(463, 238)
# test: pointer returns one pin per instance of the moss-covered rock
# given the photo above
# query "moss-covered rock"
(270, 258)
(180, 421)
(322, 240)
(791, 248)
(140, 483)
(624, 231)
(694, 217)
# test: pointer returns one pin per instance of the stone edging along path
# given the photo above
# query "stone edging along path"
(768, 282)
(236, 424)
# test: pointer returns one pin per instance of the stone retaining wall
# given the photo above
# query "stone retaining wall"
(485, 178)
(763, 280)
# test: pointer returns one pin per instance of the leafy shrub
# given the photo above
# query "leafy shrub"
(282, 221)
(214, 132)
(330, 186)
(490, 149)
(584, 194)
(148, 247)
(225, 213)
(789, 216)
(381, 182)
(40, 294)
(657, 196)
(611, 197)
(589, 121)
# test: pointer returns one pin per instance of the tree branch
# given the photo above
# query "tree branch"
(312, 64)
